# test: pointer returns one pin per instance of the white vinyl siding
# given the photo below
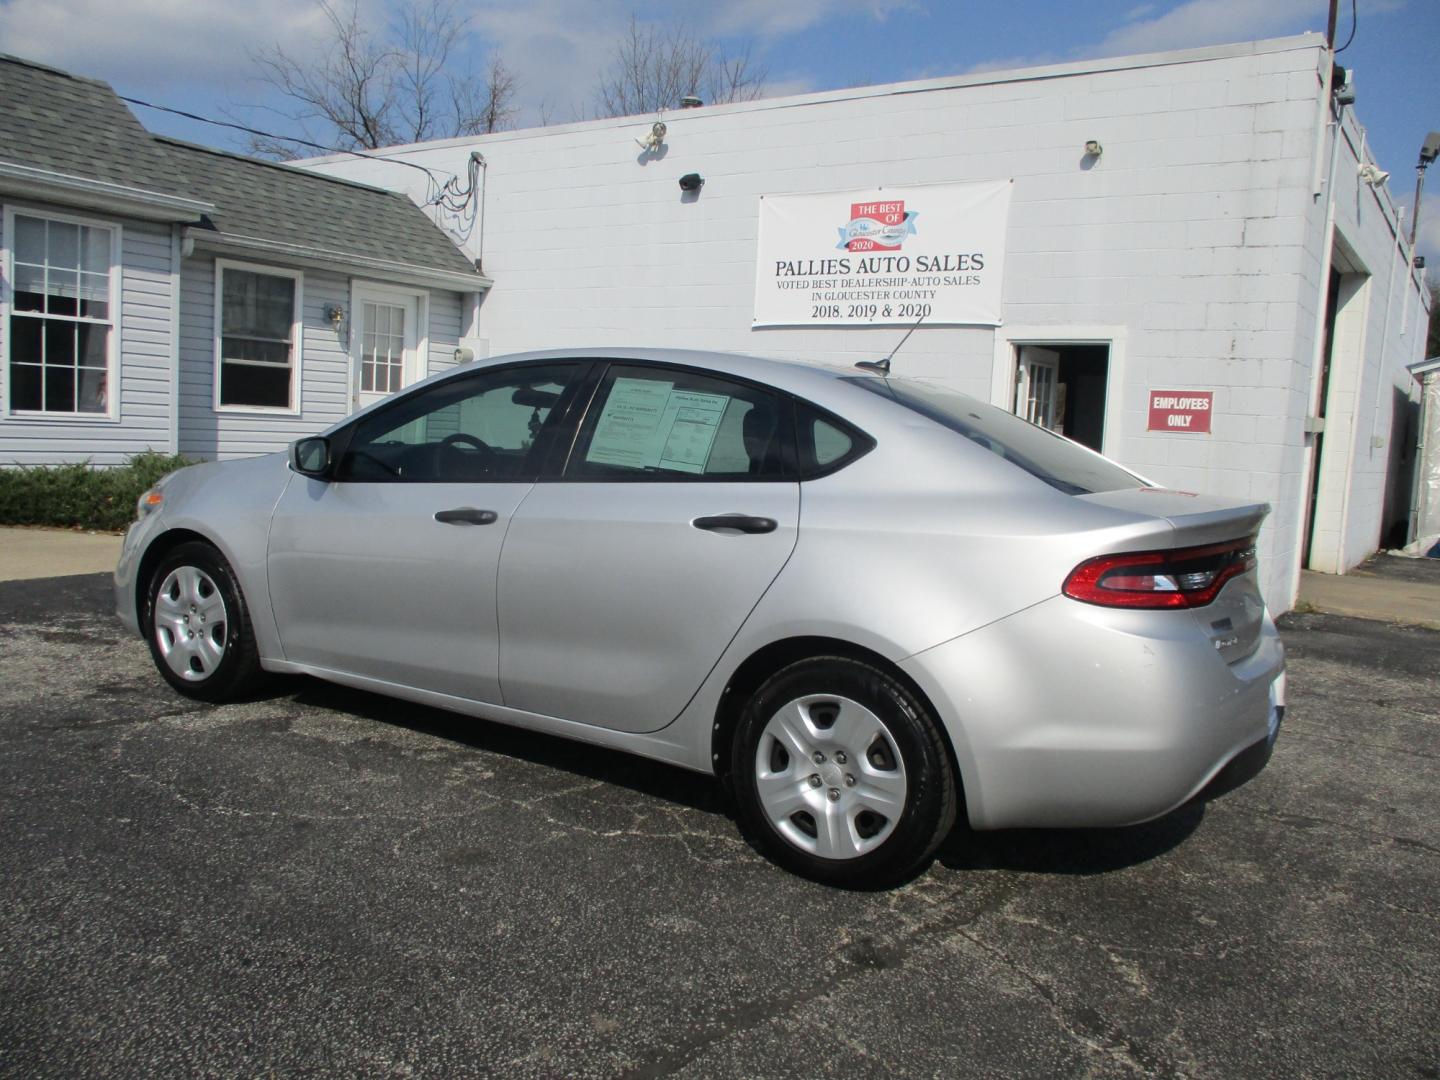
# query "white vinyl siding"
(208, 433)
(447, 316)
(139, 382)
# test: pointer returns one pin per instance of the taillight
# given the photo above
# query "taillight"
(1177, 578)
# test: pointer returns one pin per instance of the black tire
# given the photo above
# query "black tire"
(909, 745)
(205, 659)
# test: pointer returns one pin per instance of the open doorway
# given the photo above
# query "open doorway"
(1063, 387)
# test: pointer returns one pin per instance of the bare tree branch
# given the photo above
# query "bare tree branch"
(482, 107)
(656, 66)
(363, 92)
(734, 78)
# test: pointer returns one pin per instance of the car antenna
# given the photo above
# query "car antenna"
(882, 367)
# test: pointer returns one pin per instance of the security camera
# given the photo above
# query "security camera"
(692, 182)
(1373, 175)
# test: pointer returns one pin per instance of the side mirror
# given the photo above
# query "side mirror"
(311, 457)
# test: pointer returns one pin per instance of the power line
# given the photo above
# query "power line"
(1354, 25)
(289, 138)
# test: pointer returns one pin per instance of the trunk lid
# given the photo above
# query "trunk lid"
(1234, 619)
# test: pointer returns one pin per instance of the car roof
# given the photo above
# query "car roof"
(831, 386)
(786, 374)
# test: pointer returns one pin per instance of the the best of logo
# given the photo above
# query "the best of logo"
(877, 226)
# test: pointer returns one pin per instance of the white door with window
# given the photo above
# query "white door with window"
(1037, 387)
(386, 344)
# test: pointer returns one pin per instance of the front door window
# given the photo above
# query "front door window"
(484, 427)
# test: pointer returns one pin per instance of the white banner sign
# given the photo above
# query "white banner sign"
(883, 256)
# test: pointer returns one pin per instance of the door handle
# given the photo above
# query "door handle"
(736, 522)
(466, 515)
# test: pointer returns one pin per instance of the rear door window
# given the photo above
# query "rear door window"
(661, 423)
(1064, 465)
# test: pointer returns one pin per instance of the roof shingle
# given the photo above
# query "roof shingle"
(66, 124)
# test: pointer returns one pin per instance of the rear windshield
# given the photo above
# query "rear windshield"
(1062, 464)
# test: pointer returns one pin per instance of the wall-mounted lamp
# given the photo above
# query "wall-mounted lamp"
(1429, 151)
(1093, 148)
(1373, 174)
(335, 314)
(655, 140)
(692, 182)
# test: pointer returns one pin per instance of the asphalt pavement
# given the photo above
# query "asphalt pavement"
(325, 882)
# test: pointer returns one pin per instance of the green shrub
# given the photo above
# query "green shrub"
(82, 496)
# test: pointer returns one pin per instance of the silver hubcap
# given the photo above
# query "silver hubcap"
(830, 777)
(190, 625)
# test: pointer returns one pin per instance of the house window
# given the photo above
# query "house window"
(259, 331)
(62, 315)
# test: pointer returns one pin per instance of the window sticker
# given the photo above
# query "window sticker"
(651, 425)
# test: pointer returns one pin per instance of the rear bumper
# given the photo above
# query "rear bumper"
(1242, 768)
(1070, 715)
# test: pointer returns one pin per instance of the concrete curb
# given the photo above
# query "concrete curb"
(26, 554)
(1414, 603)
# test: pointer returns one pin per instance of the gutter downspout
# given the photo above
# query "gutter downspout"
(175, 260)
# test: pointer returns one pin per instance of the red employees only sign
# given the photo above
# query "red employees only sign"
(1181, 410)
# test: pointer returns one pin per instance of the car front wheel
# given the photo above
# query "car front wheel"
(841, 773)
(198, 627)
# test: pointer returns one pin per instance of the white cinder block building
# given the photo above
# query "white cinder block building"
(1176, 258)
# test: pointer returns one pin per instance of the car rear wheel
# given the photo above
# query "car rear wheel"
(198, 627)
(841, 773)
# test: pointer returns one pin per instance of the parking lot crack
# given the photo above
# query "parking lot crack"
(1408, 751)
(1309, 821)
(855, 959)
(1084, 1025)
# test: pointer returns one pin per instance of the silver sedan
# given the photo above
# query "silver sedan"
(867, 604)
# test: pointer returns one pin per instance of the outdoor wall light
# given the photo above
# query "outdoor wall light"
(1093, 148)
(692, 182)
(336, 314)
(1373, 174)
(1429, 151)
(655, 140)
